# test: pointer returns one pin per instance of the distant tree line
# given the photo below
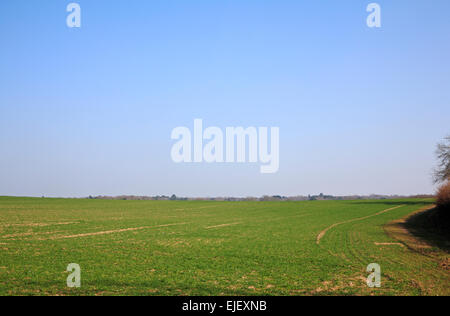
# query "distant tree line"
(265, 198)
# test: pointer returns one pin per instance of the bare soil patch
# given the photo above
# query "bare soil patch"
(411, 232)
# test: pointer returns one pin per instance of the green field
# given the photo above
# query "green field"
(210, 248)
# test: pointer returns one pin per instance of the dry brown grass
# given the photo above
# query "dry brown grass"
(443, 196)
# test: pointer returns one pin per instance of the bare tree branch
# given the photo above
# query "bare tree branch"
(442, 172)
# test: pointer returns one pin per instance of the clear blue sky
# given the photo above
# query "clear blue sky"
(90, 111)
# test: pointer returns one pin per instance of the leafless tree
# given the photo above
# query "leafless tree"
(442, 172)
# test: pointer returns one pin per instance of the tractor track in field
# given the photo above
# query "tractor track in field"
(323, 232)
(222, 225)
(115, 231)
(257, 221)
(38, 224)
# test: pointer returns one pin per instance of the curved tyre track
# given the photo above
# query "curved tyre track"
(323, 232)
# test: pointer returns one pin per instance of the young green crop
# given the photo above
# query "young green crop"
(209, 248)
